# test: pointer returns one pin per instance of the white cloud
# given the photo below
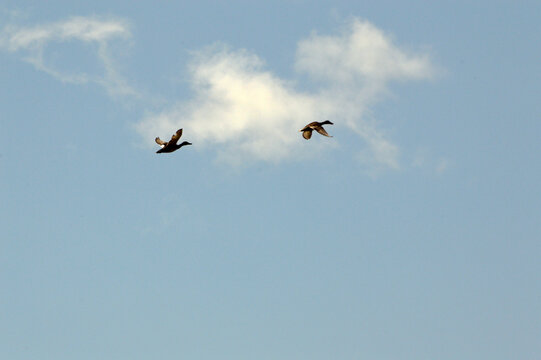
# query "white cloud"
(34, 42)
(246, 113)
(361, 52)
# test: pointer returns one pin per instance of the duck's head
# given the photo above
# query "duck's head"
(185, 143)
(327, 122)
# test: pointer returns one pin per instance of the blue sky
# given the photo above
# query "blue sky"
(412, 233)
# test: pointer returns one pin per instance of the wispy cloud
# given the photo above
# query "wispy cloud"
(34, 41)
(246, 113)
(424, 159)
(442, 166)
(361, 52)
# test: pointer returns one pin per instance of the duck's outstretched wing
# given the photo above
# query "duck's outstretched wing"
(160, 142)
(321, 130)
(307, 134)
(176, 136)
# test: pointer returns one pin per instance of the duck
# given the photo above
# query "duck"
(317, 126)
(171, 145)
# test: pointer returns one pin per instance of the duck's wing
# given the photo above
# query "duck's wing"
(307, 134)
(321, 130)
(160, 142)
(312, 125)
(176, 136)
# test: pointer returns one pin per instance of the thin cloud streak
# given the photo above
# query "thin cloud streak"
(246, 113)
(34, 41)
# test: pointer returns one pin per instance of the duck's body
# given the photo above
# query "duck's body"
(317, 126)
(171, 145)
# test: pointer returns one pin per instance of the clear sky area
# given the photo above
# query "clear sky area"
(412, 233)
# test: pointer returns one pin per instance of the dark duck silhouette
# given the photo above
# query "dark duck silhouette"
(171, 145)
(317, 126)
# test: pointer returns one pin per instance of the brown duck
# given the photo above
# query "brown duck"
(171, 145)
(317, 126)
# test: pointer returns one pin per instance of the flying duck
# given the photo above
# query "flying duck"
(317, 126)
(171, 145)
